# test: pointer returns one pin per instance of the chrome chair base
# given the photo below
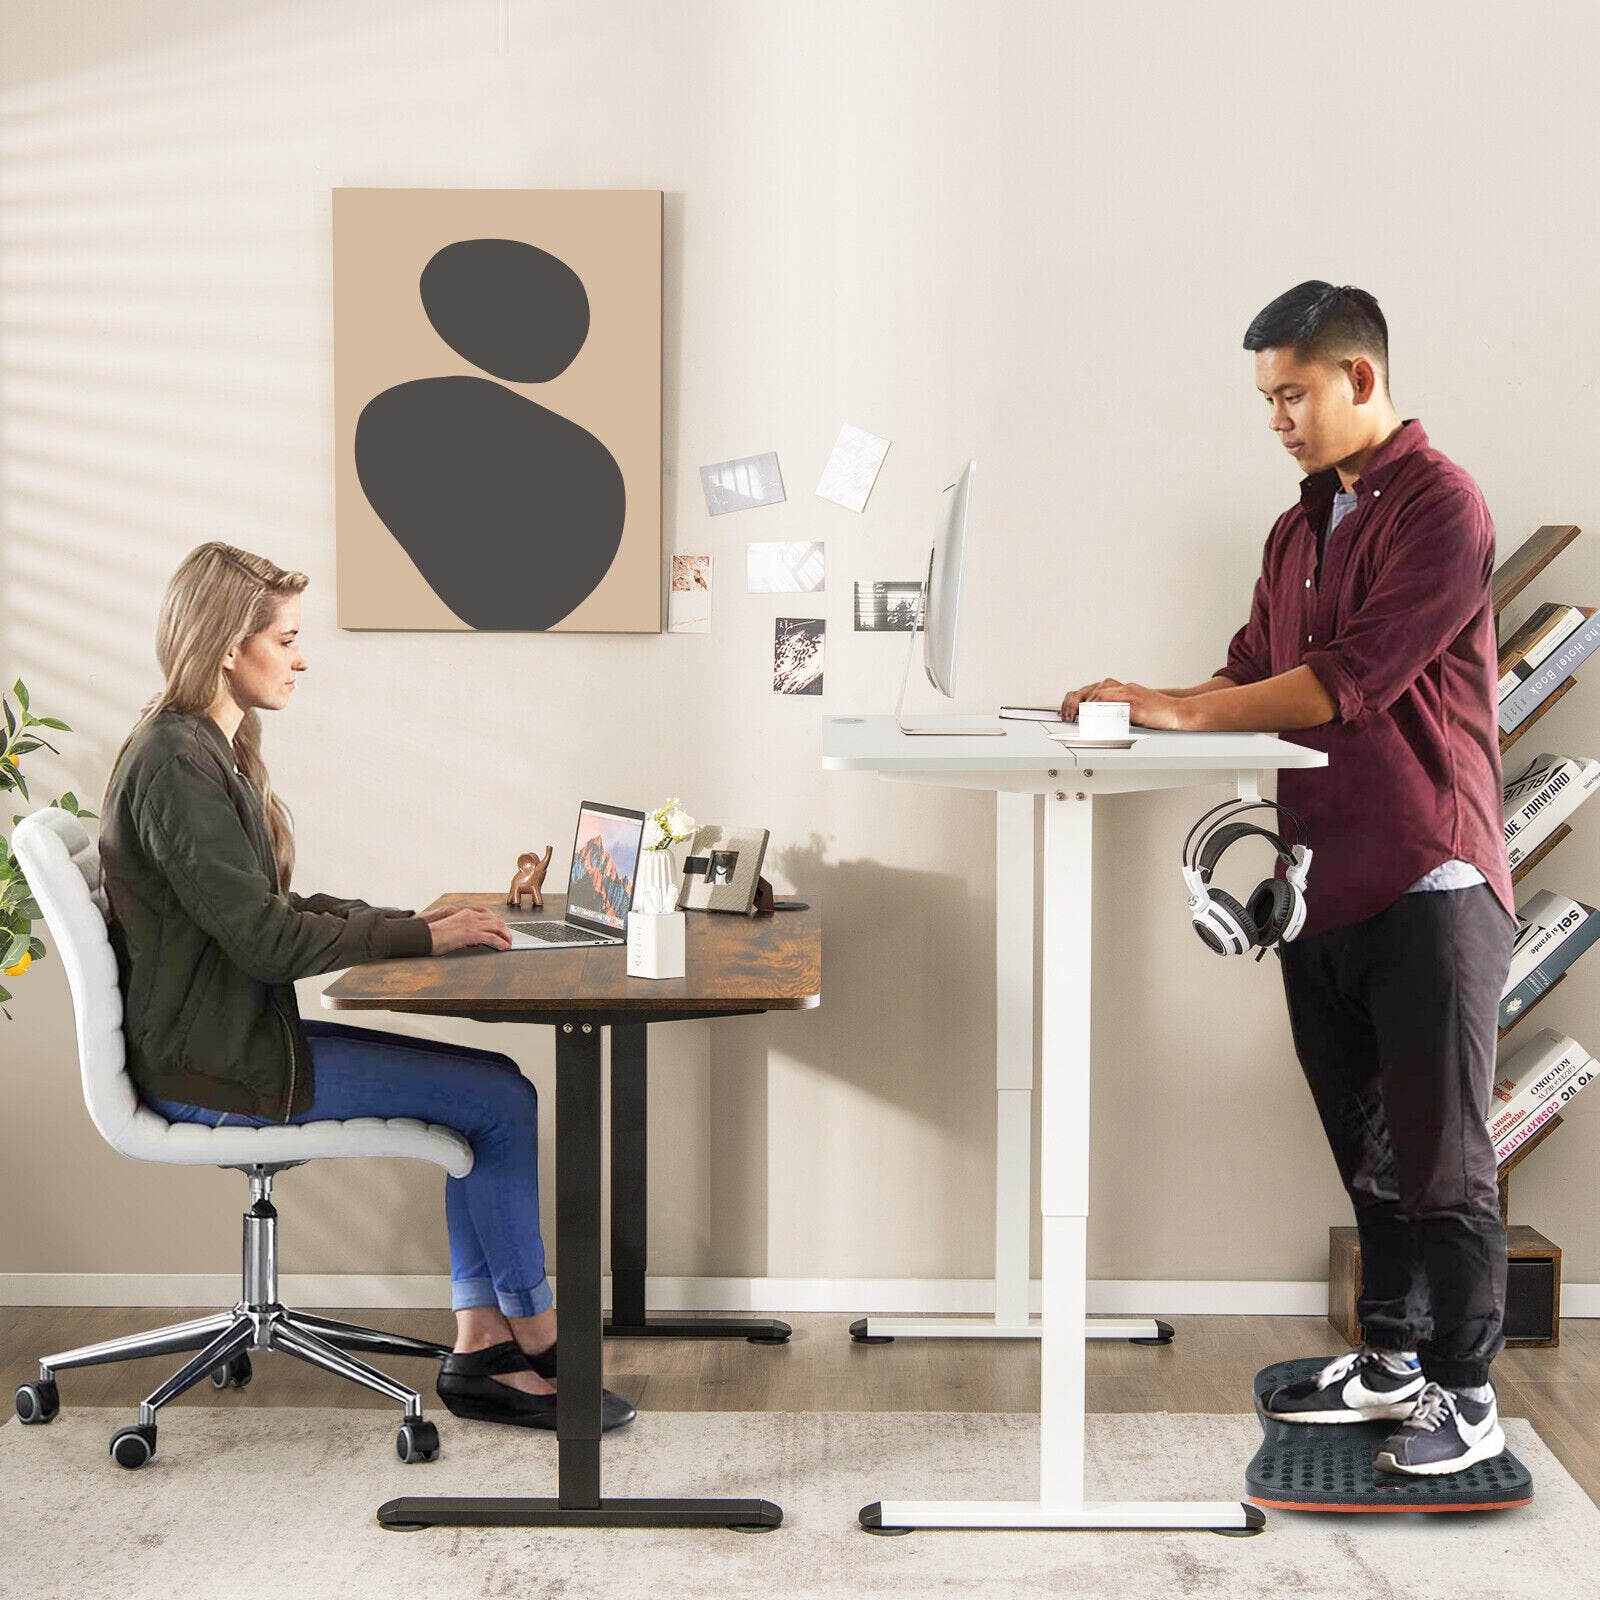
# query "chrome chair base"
(257, 1322)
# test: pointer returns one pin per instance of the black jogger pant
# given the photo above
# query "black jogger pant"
(1394, 1021)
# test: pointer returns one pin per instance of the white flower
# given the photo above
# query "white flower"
(678, 823)
(655, 836)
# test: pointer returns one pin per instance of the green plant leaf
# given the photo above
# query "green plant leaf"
(69, 802)
(23, 746)
(21, 783)
(5, 994)
(36, 949)
(20, 690)
(14, 951)
(11, 719)
(52, 722)
(30, 909)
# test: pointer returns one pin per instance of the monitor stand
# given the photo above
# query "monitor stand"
(935, 727)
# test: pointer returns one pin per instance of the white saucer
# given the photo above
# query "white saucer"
(1078, 742)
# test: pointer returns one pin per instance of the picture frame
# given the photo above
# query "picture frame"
(723, 871)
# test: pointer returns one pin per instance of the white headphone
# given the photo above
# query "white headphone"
(1276, 909)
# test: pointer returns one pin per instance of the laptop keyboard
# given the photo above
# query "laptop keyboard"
(552, 932)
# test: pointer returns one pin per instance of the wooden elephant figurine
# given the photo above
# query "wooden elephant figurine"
(530, 879)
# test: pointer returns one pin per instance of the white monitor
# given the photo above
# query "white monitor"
(939, 613)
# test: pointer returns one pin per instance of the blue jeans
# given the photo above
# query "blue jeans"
(496, 1252)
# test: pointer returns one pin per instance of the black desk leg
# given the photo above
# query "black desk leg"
(630, 1206)
(579, 1503)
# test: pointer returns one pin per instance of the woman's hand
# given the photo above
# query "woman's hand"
(462, 927)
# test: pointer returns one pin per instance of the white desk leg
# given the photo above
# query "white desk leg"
(1016, 850)
(1064, 1103)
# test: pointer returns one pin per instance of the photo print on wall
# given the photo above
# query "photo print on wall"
(743, 484)
(887, 607)
(497, 404)
(795, 566)
(852, 467)
(689, 599)
(797, 655)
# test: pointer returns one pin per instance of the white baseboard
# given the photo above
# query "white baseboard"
(768, 1296)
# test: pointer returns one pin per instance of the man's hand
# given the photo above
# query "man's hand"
(1147, 708)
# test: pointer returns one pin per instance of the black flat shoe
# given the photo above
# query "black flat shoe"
(466, 1385)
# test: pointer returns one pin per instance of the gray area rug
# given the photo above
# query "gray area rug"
(262, 1503)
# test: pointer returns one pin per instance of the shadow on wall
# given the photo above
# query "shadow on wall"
(902, 951)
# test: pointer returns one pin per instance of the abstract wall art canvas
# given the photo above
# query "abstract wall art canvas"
(497, 409)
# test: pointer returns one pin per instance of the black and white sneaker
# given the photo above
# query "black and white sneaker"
(1363, 1386)
(1446, 1432)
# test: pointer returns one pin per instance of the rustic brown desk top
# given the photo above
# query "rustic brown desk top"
(771, 962)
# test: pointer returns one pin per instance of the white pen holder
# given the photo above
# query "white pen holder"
(657, 945)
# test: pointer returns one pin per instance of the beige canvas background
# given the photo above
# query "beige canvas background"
(1031, 233)
(382, 239)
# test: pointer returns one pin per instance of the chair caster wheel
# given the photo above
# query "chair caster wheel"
(38, 1402)
(858, 1332)
(417, 1441)
(234, 1373)
(133, 1447)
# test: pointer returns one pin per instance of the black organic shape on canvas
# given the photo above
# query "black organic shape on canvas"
(511, 308)
(511, 512)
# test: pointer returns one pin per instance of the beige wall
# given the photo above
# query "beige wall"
(1030, 233)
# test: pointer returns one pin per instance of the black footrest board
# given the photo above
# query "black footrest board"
(1311, 1466)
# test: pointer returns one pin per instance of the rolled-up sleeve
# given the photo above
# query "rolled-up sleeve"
(1434, 581)
(1250, 650)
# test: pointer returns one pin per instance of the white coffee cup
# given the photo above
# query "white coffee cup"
(1103, 719)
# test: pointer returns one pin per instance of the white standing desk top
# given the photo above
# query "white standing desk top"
(875, 744)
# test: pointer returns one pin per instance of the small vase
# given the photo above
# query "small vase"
(656, 892)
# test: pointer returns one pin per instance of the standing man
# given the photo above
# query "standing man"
(1371, 636)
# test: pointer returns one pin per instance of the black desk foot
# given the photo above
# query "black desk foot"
(413, 1513)
(660, 1328)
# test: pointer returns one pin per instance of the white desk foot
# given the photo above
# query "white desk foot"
(1219, 1516)
(878, 1330)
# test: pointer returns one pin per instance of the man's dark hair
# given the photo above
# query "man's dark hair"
(1322, 322)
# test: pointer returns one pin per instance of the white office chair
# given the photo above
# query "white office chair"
(62, 867)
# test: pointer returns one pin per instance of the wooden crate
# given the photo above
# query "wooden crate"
(1533, 1286)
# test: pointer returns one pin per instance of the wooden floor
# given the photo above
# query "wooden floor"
(1207, 1368)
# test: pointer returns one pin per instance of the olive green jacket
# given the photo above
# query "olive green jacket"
(208, 947)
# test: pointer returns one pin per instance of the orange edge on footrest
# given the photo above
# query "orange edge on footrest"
(1367, 1508)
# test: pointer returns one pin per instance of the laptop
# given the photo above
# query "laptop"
(605, 866)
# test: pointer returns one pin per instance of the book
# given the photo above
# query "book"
(1541, 797)
(1032, 713)
(1524, 1131)
(1531, 1076)
(1553, 671)
(1535, 639)
(1547, 919)
(1512, 1005)
(1553, 1107)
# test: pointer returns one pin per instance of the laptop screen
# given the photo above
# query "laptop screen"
(605, 862)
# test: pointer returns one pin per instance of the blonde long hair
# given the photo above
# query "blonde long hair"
(219, 597)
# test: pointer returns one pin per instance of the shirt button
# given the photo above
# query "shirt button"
(1308, 638)
(1376, 493)
(1308, 583)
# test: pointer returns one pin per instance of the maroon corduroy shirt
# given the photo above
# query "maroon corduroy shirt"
(1399, 629)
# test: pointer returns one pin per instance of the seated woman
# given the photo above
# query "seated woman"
(197, 852)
